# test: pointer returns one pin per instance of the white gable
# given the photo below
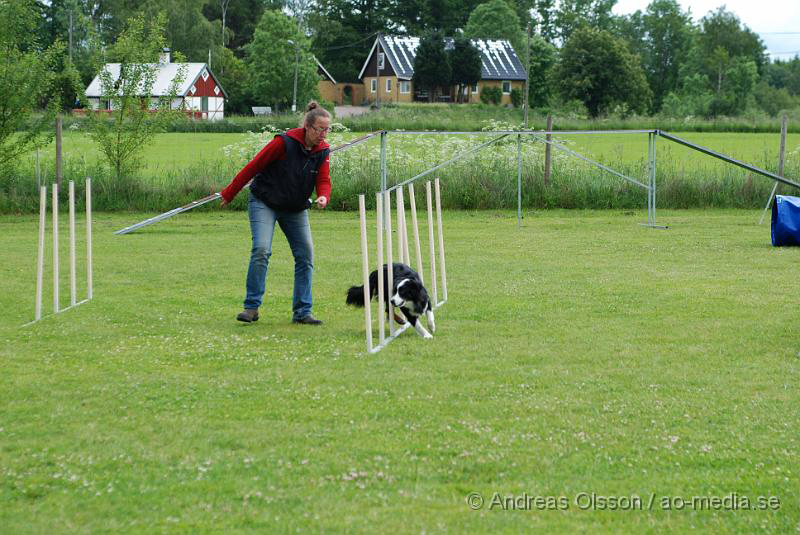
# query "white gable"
(167, 72)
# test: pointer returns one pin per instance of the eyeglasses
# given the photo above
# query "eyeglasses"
(321, 130)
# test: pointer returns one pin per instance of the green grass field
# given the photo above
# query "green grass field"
(173, 151)
(580, 354)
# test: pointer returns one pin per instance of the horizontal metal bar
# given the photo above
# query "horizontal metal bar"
(174, 211)
(458, 156)
(214, 196)
(589, 160)
(728, 159)
(477, 133)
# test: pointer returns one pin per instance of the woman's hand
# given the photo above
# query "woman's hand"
(322, 201)
(223, 203)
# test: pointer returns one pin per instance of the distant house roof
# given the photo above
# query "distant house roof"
(498, 59)
(167, 72)
(323, 71)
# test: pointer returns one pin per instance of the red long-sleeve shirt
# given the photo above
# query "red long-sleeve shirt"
(276, 150)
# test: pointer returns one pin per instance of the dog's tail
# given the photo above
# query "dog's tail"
(355, 296)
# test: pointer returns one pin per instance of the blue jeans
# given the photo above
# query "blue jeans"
(297, 230)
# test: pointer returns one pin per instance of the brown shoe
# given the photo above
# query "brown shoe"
(308, 320)
(248, 315)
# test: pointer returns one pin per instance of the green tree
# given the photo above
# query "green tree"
(668, 32)
(496, 20)
(543, 58)
(597, 69)
(134, 117)
(27, 81)
(722, 29)
(431, 64)
(465, 61)
(573, 14)
(234, 77)
(339, 48)
(270, 60)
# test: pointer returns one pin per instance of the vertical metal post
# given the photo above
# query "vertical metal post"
(89, 273)
(73, 287)
(387, 205)
(441, 240)
(362, 212)
(400, 230)
(781, 159)
(653, 183)
(548, 157)
(40, 259)
(413, 204)
(379, 255)
(650, 136)
(55, 249)
(430, 241)
(383, 162)
(519, 181)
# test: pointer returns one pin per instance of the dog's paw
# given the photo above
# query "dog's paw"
(427, 336)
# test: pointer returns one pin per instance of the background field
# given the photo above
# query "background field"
(180, 168)
(582, 353)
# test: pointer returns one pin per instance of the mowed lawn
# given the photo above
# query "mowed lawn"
(581, 355)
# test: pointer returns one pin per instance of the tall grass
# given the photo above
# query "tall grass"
(485, 180)
(472, 117)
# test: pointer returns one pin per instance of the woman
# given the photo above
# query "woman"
(284, 175)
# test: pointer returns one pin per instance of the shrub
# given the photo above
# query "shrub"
(516, 97)
(491, 95)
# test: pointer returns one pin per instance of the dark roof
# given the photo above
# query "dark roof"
(498, 59)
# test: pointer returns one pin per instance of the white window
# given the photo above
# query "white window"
(475, 89)
(405, 86)
(388, 85)
(506, 87)
(380, 60)
(373, 84)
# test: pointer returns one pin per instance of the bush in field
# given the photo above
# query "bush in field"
(491, 95)
(516, 97)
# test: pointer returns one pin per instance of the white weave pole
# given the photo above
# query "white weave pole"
(365, 271)
(387, 204)
(430, 241)
(89, 287)
(398, 211)
(379, 256)
(406, 255)
(441, 240)
(73, 286)
(413, 205)
(55, 248)
(40, 258)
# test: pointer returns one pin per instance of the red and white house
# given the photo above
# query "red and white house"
(199, 92)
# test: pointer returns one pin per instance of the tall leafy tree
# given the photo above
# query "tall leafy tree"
(544, 18)
(27, 75)
(270, 60)
(722, 29)
(341, 49)
(668, 36)
(465, 62)
(241, 17)
(599, 70)
(496, 20)
(573, 14)
(134, 117)
(543, 58)
(431, 64)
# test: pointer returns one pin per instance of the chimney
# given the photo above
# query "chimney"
(165, 56)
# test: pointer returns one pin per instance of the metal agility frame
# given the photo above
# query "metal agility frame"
(383, 206)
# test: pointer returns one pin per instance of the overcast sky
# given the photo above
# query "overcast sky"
(776, 21)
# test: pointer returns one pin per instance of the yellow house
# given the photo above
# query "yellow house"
(388, 71)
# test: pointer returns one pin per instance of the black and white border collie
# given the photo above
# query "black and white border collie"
(408, 294)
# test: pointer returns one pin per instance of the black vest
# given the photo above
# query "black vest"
(286, 185)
